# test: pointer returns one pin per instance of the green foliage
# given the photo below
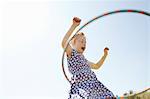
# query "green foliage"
(145, 95)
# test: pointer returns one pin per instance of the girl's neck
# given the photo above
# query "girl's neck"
(75, 48)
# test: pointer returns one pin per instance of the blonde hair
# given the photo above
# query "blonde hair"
(76, 37)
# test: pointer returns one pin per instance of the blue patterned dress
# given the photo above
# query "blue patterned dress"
(84, 82)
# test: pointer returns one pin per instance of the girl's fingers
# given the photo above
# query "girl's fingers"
(76, 19)
(106, 48)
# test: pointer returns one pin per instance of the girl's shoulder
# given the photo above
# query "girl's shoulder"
(73, 53)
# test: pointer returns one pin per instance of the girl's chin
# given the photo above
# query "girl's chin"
(80, 51)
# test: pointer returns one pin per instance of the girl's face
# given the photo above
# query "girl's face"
(80, 43)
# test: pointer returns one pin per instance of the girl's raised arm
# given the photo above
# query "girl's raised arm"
(100, 62)
(76, 22)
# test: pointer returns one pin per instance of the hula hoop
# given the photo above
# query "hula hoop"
(94, 19)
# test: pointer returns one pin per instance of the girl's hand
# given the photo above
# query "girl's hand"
(106, 50)
(76, 21)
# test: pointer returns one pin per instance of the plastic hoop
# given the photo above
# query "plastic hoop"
(94, 19)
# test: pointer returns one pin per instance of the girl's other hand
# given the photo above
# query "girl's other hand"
(106, 50)
(76, 21)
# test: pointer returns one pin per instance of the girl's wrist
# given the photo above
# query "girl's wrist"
(105, 54)
(73, 26)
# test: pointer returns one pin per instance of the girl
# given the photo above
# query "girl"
(84, 81)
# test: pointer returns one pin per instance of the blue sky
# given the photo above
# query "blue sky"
(31, 46)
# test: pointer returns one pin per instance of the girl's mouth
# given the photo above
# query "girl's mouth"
(83, 48)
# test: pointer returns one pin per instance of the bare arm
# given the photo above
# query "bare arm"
(68, 34)
(76, 22)
(100, 62)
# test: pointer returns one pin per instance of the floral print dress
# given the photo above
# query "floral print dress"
(84, 84)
